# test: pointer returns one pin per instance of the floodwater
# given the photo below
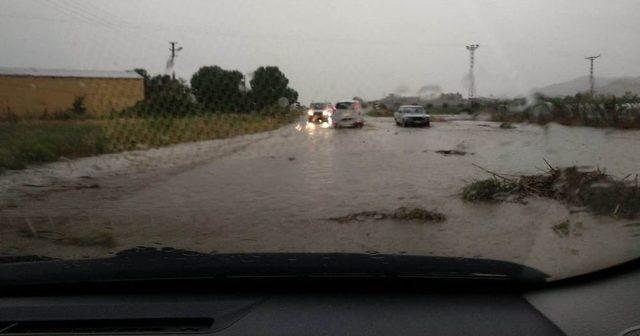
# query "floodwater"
(274, 192)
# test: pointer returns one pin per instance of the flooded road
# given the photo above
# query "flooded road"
(274, 192)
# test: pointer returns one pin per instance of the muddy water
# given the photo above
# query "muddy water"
(274, 192)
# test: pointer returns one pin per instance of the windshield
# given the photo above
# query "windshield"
(158, 130)
(344, 105)
(319, 106)
(413, 109)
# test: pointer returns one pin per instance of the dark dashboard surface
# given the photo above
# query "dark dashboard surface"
(385, 309)
(268, 294)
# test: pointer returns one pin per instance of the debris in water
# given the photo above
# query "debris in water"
(507, 125)
(354, 217)
(404, 213)
(563, 229)
(62, 188)
(487, 190)
(399, 214)
(92, 239)
(593, 189)
(291, 158)
(451, 152)
(34, 185)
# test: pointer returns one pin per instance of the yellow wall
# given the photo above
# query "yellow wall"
(29, 97)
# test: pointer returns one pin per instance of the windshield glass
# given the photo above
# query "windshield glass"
(344, 105)
(154, 130)
(413, 109)
(319, 106)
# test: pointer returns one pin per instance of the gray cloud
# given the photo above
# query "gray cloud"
(332, 49)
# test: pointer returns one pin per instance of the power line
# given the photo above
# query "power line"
(472, 78)
(66, 12)
(85, 16)
(592, 81)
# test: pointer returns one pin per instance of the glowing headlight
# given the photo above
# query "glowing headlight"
(310, 113)
(326, 112)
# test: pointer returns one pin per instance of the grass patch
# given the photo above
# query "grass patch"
(380, 113)
(35, 142)
(591, 116)
(133, 133)
(447, 110)
(25, 143)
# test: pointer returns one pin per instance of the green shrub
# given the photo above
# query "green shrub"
(486, 190)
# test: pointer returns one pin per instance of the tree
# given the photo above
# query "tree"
(629, 97)
(142, 72)
(167, 96)
(219, 90)
(145, 77)
(291, 95)
(268, 85)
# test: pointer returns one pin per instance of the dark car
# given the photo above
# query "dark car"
(320, 112)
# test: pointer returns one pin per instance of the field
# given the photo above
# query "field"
(25, 143)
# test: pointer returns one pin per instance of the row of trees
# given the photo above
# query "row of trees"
(222, 90)
(215, 90)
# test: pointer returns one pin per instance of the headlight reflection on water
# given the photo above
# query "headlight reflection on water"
(311, 126)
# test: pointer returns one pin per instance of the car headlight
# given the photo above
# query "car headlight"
(310, 113)
(326, 112)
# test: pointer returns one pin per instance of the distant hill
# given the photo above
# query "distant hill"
(604, 85)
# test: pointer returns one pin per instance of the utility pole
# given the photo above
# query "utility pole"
(173, 50)
(472, 78)
(592, 80)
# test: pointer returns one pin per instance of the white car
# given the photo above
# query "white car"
(408, 115)
(348, 114)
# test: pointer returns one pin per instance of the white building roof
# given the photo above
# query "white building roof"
(33, 72)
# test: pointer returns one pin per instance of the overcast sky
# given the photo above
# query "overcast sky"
(333, 49)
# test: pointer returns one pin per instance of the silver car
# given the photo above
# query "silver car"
(408, 115)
